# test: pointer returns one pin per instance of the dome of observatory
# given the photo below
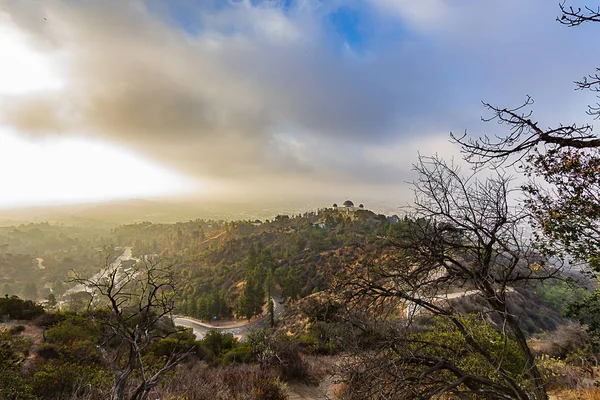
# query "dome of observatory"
(348, 203)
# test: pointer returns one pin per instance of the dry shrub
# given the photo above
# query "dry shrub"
(592, 393)
(559, 374)
(566, 395)
(236, 381)
(319, 367)
(279, 352)
(566, 339)
(339, 389)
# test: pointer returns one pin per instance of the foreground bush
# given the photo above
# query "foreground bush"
(12, 307)
(236, 381)
(13, 352)
(278, 352)
(566, 340)
(559, 374)
(60, 380)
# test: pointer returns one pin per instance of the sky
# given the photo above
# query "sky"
(113, 99)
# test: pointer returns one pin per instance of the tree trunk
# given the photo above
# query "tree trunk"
(531, 369)
(118, 392)
(539, 389)
(122, 377)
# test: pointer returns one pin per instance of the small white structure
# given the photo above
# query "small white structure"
(349, 206)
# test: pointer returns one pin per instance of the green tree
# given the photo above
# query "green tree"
(289, 280)
(15, 308)
(30, 291)
(271, 310)
(253, 297)
(219, 343)
(51, 300)
(192, 307)
(259, 264)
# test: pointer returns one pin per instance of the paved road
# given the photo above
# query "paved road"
(200, 329)
(126, 256)
(413, 309)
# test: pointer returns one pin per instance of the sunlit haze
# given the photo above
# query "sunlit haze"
(69, 171)
(271, 99)
(22, 69)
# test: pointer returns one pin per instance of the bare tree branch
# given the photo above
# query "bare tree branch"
(135, 309)
(462, 236)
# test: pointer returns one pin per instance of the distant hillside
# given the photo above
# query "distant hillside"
(304, 251)
(216, 261)
(115, 213)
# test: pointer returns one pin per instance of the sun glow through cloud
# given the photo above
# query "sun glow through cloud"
(23, 70)
(58, 170)
(69, 171)
(263, 99)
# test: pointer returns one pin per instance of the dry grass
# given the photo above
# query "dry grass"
(592, 393)
(320, 367)
(32, 331)
(240, 382)
(339, 389)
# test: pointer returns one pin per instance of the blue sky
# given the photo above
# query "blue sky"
(286, 97)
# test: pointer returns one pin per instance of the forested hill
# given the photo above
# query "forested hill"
(223, 268)
(294, 254)
(229, 269)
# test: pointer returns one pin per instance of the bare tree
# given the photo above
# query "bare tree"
(575, 16)
(526, 136)
(563, 166)
(463, 236)
(132, 309)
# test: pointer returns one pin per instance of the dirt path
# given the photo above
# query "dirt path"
(213, 238)
(40, 263)
(300, 391)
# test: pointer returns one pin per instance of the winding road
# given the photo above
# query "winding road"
(126, 256)
(200, 328)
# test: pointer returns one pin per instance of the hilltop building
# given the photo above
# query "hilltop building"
(347, 206)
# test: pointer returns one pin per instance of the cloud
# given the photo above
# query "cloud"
(423, 14)
(270, 92)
